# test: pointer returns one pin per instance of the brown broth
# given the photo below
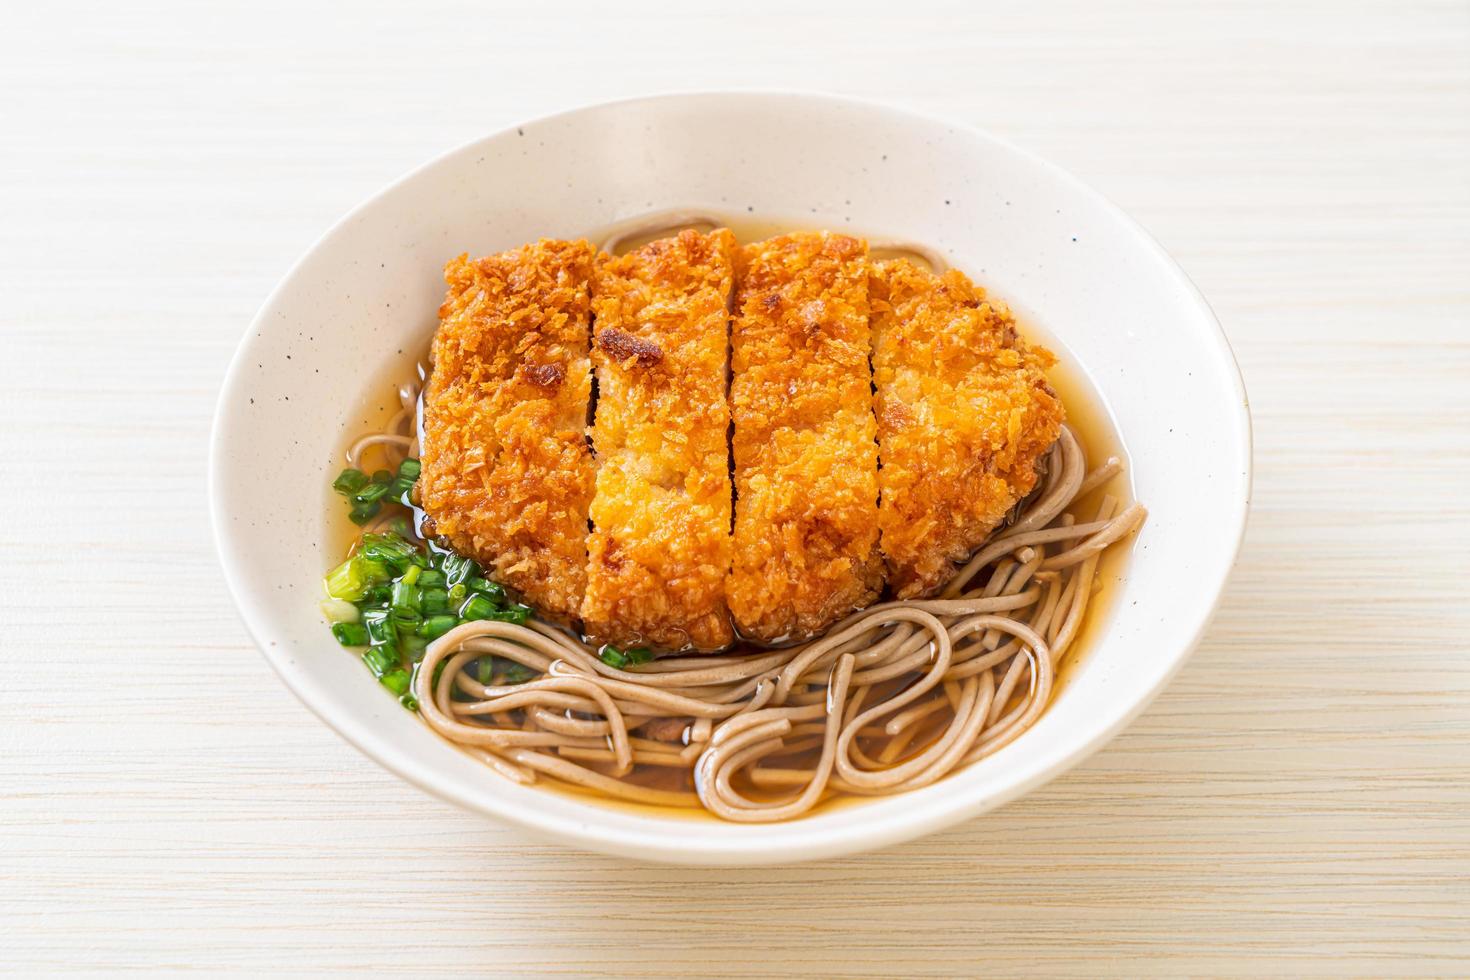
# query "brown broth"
(1086, 414)
(370, 413)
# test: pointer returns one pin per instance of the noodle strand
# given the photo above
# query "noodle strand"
(892, 698)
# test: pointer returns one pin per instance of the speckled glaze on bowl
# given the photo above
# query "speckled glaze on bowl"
(1112, 300)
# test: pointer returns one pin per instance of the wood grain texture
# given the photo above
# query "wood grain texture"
(1297, 802)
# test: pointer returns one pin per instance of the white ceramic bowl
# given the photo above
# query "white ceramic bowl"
(1108, 296)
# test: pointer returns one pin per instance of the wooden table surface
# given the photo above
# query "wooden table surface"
(1297, 802)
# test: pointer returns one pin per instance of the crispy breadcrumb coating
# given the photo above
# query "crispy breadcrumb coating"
(507, 475)
(806, 522)
(964, 414)
(659, 550)
(961, 416)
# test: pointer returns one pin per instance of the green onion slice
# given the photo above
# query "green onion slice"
(349, 481)
(350, 634)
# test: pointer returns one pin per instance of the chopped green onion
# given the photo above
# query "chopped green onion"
(350, 634)
(349, 481)
(412, 644)
(339, 611)
(378, 625)
(348, 581)
(477, 607)
(457, 570)
(390, 549)
(396, 680)
(352, 579)
(436, 626)
(371, 493)
(378, 595)
(511, 671)
(492, 589)
(639, 655)
(405, 618)
(396, 594)
(517, 673)
(517, 614)
(381, 659)
(386, 543)
(613, 657)
(409, 469)
(374, 571)
(406, 597)
(362, 513)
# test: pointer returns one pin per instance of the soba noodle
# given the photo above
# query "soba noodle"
(400, 433)
(890, 699)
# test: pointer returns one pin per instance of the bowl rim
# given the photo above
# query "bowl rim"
(791, 844)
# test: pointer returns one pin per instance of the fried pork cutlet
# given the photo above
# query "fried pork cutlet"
(806, 514)
(507, 475)
(964, 414)
(659, 550)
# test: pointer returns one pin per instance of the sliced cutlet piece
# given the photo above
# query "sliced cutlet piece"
(659, 551)
(964, 414)
(507, 475)
(806, 492)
